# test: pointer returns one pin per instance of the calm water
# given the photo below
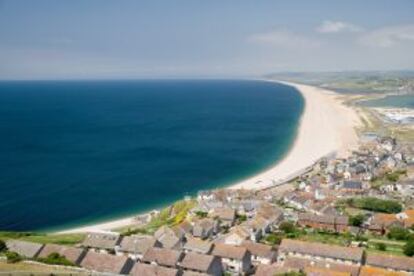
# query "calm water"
(75, 152)
(402, 101)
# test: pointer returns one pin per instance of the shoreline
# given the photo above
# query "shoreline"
(325, 118)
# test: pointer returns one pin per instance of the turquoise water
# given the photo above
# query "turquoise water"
(76, 152)
(401, 101)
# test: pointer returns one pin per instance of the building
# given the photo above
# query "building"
(325, 222)
(135, 246)
(198, 246)
(162, 256)
(226, 216)
(375, 271)
(205, 228)
(335, 253)
(141, 269)
(25, 249)
(234, 258)
(261, 253)
(72, 254)
(207, 264)
(107, 263)
(172, 238)
(396, 263)
(103, 241)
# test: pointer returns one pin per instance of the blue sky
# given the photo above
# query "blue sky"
(139, 39)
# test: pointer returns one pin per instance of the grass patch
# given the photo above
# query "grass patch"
(63, 239)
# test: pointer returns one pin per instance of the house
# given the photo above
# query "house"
(375, 271)
(207, 264)
(335, 253)
(325, 222)
(274, 269)
(314, 271)
(234, 258)
(162, 256)
(135, 246)
(237, 235)
(407, 218)
(185, 227)
(198, 246)
(305, 263)
(172, 238)
(205, 228)
(380, 223)
(23, 248)
(107, 263)
(72, 254)
(352, 186)
(396, 263)
(141, 269)
(257, 227)
(226, 216)
(261, 253)
(103, 241)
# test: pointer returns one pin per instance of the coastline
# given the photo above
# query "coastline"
(326, 127)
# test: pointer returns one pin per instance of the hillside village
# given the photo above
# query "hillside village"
(352, 216)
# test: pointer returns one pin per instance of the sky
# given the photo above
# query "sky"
(56, 39)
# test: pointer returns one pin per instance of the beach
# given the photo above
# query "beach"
(327, 127)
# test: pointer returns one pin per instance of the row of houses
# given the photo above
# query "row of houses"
(292, 255)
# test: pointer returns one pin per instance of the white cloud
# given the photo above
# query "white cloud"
(337, 27)
(388, 36)
(284, 38)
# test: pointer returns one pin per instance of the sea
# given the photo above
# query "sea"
(79, 152)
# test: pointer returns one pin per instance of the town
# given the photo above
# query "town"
(352, 216)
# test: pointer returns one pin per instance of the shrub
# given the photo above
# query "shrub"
(3, 246)
(56, 259)
(381, 246)
(376, 204)
(356, 220)
(409, 248)
(201, 214)
(13, 257)
(287, 227)
(398, 233)
(273, 239)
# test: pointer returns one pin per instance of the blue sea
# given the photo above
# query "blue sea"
(80, 152)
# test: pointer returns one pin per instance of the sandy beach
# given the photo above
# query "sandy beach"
(326, 127)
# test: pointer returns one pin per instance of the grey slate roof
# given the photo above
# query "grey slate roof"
(24, 248)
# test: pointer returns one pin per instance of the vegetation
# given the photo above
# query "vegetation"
(170, 216)
(376, 204)
(381, 246)
(56, 259)
(63, 239)
(201, 214)
(409, 248)
(399, 234)
(13, 257)
(292, 273)
(273, 239)
(241, 218)
(356, 220)
(287, 227)
(3, 246)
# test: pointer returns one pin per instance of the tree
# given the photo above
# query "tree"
(409, 248)
(3, 246)
(287, 227)
(356, 220)
(56, 259)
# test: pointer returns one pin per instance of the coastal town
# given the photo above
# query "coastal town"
(343, 216)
